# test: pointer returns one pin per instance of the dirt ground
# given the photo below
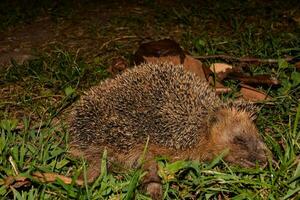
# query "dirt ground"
(87, 30)
(90, 28)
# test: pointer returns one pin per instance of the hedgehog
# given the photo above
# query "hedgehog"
(178, 114)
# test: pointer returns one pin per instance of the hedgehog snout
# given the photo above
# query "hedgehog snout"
(258, 155)
(262, 154)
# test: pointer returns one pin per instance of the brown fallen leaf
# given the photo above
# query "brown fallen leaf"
(252, 94)
(159, 48)
(52, 177)
(118, 66)
(220, 67)
(22, 181)
(221, 70)
(193, 65)
(16, 182)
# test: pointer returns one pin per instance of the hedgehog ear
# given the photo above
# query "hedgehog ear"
(216, 116)
(245, 106)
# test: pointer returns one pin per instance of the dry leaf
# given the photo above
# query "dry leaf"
(220, 67)
(52, 177)
(21, 181)
(16, 182)
(118, 66)
(158, 49)
(252, 94)
(193, 65)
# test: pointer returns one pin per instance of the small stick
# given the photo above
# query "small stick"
(243, 59)
(116, 39)
(258, 79)
(13, 164)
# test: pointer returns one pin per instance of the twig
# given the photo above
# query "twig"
(243, 59)
(13, 164)
(47, 96)
(255, 80)
(116, 39)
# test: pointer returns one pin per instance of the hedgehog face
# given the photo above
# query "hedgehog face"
(235, 131)
(245, 145)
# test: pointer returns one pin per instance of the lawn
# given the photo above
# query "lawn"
(71, 44)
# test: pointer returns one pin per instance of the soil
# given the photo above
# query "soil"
(88, 30)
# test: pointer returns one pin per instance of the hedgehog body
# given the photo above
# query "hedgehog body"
(180, 113)
(162, 101)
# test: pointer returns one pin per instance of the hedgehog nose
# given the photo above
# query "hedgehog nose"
(262, 156)
(263, 161)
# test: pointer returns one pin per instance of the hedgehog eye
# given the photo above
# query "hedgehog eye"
(239, 140)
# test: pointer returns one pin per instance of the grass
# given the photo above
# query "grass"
(34, 93)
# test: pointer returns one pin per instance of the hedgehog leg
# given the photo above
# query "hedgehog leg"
(92, 156)
(151, 181)
(93, 170)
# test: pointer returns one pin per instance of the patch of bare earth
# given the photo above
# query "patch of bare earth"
(88, 32)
